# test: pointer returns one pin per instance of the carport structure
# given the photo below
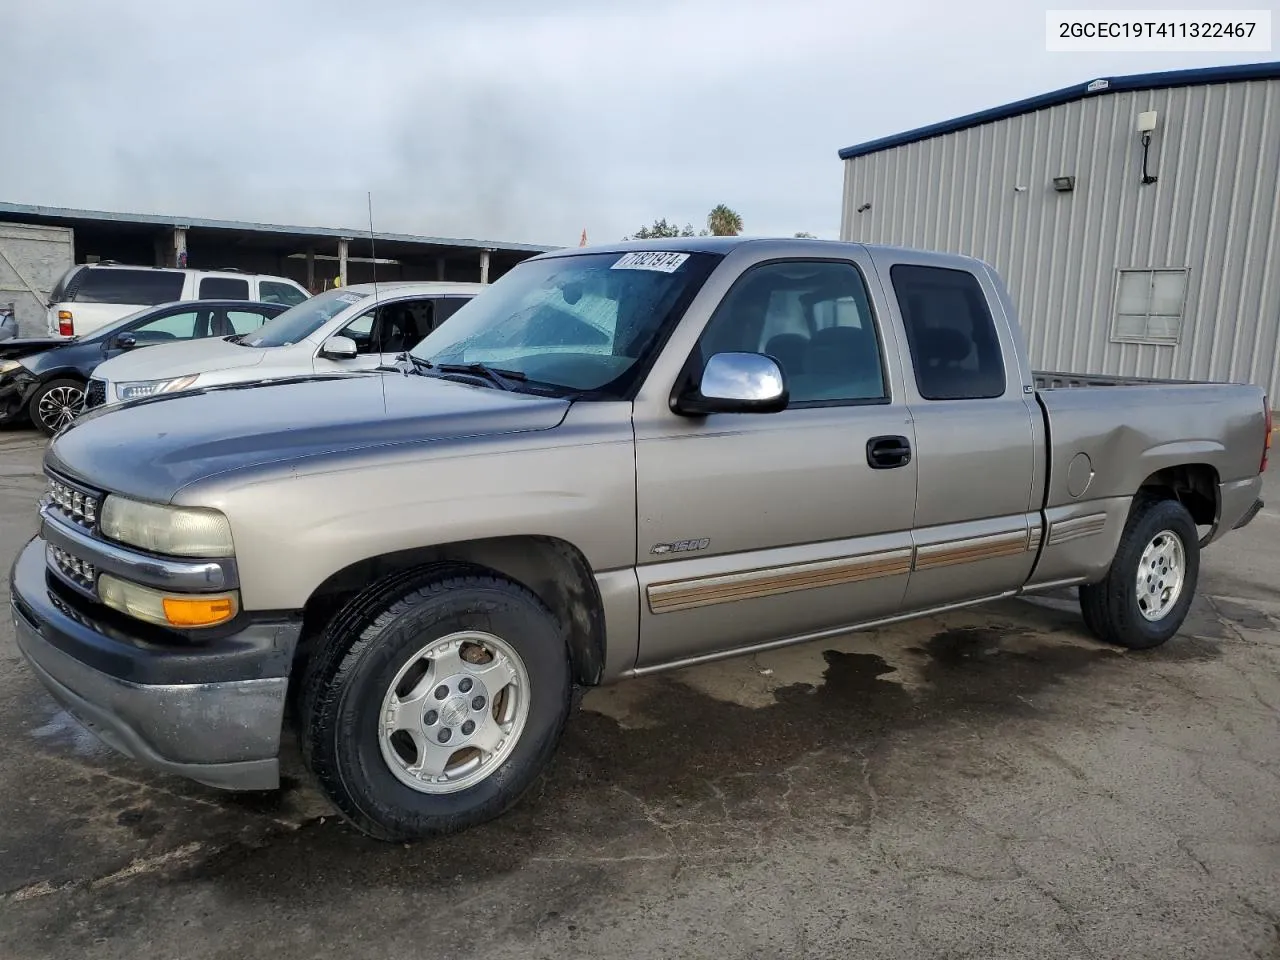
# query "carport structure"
(314, 256)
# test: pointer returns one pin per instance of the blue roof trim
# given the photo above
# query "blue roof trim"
(1139, 81)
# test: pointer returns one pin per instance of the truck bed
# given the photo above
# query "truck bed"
(1055, 380)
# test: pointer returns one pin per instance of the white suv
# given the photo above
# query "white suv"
(91, 295)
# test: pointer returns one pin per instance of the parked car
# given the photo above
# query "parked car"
(616, 461)
(91, 295)
(353, 328)
(44, 380)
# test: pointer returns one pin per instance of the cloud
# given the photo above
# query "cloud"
(503, 120)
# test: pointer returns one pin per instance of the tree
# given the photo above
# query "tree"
(661, 230)
(805, 236)
(723, 222)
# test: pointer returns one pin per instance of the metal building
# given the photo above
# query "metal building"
(1135, 219)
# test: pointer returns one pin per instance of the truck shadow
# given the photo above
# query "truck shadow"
(695, 767)
(705, 774)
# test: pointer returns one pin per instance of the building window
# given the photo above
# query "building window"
(1149, 306)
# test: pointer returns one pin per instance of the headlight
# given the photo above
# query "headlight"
(169, 610)
(137, 389)
(8, 366)
(177, 531)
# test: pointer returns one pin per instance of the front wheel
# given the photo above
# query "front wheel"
(1147, 593)
(55, 404)
(434, 702)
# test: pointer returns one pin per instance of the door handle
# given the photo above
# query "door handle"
(884, 453)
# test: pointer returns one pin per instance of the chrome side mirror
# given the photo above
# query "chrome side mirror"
(339, 347)
(736, 383)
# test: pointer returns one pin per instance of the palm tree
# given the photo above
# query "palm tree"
(723, 222)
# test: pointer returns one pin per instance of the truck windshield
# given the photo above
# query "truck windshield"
(581, 322)
(298, 323)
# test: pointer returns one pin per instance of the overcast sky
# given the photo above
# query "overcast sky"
(513, 120)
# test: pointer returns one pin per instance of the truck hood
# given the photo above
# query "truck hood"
(152, 448)
(166, 360)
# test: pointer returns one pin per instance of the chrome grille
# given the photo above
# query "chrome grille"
(72, 503)
(95, 394)
(79, 572)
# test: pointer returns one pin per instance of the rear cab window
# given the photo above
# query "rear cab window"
(142, 287)
(955, 350)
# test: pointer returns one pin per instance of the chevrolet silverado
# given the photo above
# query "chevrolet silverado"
(616, 460)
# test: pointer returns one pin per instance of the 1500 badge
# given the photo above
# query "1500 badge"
(681, 546)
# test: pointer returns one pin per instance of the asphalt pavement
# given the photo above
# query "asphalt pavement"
(985, 784)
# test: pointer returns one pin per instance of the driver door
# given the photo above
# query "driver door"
(757, 528)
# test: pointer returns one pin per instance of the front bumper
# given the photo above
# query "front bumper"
(211, 712)
(16, 388)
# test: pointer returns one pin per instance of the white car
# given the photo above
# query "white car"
(91, 295)
(339, 331)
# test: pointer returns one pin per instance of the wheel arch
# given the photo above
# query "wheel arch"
(63, 373)
(555, 570)
(1194, 485)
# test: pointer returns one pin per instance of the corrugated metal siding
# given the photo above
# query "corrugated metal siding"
(1215, 210)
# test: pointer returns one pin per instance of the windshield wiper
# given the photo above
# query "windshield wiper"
(495, 375)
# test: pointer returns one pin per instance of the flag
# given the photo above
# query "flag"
(583, 241)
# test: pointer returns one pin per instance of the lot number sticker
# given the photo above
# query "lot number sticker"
(651, 260)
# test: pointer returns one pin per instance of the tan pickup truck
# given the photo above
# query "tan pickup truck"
(614, 461)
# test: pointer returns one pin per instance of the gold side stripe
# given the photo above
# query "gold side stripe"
(753, 584)
(973, 549)
(1063, 531)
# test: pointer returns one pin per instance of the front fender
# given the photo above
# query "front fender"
(294, 529)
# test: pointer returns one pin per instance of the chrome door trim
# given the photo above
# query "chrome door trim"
(972, 549)
(1076, 528)
(673, 595)
(808, 637)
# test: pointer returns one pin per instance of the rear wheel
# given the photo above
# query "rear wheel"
(1147, 593)
(55, 404)
(434, 702)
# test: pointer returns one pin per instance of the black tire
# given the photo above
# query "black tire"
(1111, 607)
(63, 386)
(360, 654)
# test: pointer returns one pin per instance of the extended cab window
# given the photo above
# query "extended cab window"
(952, 338)
(814, 318)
